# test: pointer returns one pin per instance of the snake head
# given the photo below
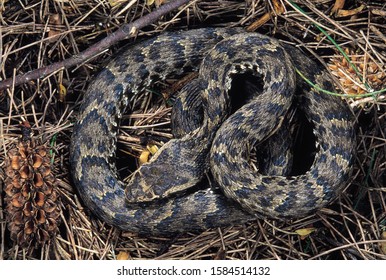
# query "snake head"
(166, 174)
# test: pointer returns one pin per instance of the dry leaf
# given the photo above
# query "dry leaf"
(378, 12)
(113, 3)
(337, 6)
(382, 245)
(123, 256)
(144, 157)
(156, 2)
(304, 232)
(152, 149)
(278, 6)
(53, 31)
(347, 13)
(279, 9)
(62, 92)
(261, 21)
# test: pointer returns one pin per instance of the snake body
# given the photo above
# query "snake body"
(159, 199)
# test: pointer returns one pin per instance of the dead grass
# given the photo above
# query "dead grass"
(42, 32)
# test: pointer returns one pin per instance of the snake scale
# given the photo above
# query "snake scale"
(162, 196)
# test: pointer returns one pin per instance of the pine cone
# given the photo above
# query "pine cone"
(31, 197)
(351, 82)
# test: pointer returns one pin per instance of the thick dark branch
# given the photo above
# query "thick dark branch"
(124, 32)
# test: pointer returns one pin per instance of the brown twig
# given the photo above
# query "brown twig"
(124, 32)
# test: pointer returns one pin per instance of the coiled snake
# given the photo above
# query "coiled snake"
(221, 143)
